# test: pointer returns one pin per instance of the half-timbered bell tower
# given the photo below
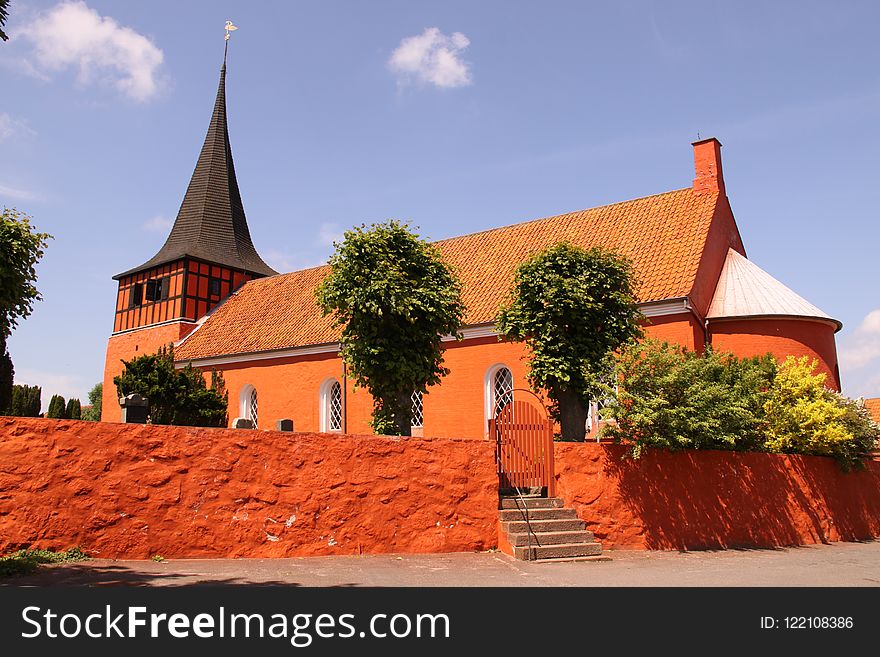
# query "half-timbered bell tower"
(207, 256)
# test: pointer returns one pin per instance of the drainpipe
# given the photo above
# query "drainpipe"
(707, 336)
(344, 398)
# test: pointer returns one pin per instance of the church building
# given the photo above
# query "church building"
(209, 292)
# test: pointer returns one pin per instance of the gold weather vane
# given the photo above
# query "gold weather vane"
(229, 28)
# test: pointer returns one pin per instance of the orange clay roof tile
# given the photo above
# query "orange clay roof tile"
(664, 235)
(873, 406)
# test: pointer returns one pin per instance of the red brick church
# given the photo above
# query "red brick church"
(208, 291)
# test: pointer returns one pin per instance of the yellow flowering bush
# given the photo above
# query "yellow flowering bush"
(802, 416)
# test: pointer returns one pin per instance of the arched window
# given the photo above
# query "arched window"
(331, 406)
(502, 389)
(499, 390)
(418, 412)
(249, 404)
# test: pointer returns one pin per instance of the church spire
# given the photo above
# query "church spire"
(211, 223)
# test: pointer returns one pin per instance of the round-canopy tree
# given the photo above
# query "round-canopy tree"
(574, 308)
(394, 298)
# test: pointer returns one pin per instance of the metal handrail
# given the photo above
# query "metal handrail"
(494, 428)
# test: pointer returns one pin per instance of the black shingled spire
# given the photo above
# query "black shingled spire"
(210, 224)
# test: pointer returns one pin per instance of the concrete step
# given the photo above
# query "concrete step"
(551, 538)
(537, 514)
(532, 503)
(562, 550)
(596, 557)
(538, 526)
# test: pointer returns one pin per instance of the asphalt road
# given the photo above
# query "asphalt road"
(838, 564)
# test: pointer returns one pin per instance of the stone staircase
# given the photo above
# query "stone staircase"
(557, 534)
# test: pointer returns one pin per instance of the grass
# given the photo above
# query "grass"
(27, 561)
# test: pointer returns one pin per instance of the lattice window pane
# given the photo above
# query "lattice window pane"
(334, 408)
(503, 389)
(252, 407)
(417, 409)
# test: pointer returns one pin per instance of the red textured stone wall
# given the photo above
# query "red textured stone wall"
(782, 338)
(133, 491)
(716, 499)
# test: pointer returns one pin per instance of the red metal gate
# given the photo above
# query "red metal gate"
(523, 447)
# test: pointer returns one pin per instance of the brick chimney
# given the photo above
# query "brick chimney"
(707, 166)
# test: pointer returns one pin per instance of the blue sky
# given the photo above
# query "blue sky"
(524, 110)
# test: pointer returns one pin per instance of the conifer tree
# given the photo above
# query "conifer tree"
(26, 401)
(74, 409)
(57, 408)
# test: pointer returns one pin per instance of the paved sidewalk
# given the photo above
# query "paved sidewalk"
(838, 564)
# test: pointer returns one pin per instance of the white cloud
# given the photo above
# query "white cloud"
(158, 224)
(432, 58)
(71, 34)
(17, 194)
(862, 347)
(329, 233)
(11, 127)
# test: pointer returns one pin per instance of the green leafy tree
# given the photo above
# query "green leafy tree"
(74, 409)
(574, 308)
(4, 15)
(57, 408)
(394, 297)
(175, 396)
(26, 401)
(21, 247)
(674, 398)
(96, 396)
(20, 250)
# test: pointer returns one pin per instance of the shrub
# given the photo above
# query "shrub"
(805, 417)
(175, 396)
(674, 398)
(26, 561)
(57, 408)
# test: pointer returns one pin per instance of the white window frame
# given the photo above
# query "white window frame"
(489, 393)
(417, 394)
(245, 409)
(326, 390)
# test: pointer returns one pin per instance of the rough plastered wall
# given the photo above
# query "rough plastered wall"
(133, 491)
(716, 499)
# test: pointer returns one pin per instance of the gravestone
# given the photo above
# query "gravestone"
(134, 409)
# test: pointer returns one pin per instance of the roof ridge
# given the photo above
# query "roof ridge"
(561, 214)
